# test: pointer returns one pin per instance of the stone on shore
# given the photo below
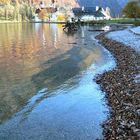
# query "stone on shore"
(122, 92)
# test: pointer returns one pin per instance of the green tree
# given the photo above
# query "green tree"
(132, 10)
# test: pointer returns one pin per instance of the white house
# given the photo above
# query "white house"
(91, 13)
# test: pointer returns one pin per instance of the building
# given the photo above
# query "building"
(52, 12)
(91, 13)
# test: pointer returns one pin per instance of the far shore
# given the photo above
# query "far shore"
(12, 21)
(107, 22)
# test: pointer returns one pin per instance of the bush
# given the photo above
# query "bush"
(13, 11)
(2, 11)
(132, 10)
(137, 23)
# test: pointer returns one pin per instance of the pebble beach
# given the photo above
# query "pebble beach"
(122, 89)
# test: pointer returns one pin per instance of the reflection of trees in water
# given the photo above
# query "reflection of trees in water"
(28, 65)
(65, 67)
(61, 69)
(14, 54)
(57, 73)
(22, 55)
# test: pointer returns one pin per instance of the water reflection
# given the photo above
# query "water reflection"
(65, 66)
(40, 61)
(23, 50)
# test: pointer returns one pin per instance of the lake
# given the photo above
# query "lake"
(47, 86)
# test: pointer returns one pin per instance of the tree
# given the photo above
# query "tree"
(4, 1)
(132, 10)
(17, 9)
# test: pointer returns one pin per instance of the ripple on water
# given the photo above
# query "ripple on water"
(68, 104)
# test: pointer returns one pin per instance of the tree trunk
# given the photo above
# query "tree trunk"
(6, 13)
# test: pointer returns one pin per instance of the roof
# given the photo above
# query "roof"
(87, 11)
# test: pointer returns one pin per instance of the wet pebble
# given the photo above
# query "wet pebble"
(122, 92)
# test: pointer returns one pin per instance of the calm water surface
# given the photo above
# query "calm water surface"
(47, 91)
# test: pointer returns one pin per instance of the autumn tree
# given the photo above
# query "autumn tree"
(132, 10)
(4, 1)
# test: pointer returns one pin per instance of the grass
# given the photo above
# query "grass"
(135, 22)
(115, 21)
(122, 21)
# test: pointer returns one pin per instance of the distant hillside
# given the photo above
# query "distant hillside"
(73, 3)
(115, 5)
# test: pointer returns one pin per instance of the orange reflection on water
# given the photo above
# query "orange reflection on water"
(24, 48)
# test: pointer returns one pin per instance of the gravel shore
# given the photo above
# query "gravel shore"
(122, 92)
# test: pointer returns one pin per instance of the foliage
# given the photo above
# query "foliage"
(2, 12)
(44, 15)
(26, 11)
(61, 18)
(132, 10)
(136, 23)
(4, 1)
(122, 21)
(16, 10)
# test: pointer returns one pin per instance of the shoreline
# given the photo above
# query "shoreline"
(122, 92)
(100, 22)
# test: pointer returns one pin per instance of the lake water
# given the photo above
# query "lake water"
(47, 91)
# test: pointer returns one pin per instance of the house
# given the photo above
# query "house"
(52, 14)
(90, 13)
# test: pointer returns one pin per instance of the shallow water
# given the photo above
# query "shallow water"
(47, 89)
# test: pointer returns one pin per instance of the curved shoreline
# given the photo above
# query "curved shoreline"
(122, 92)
